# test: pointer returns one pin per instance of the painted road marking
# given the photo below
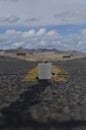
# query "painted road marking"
(59, 74)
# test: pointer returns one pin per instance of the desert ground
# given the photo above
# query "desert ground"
(42, 105)
(50, 55)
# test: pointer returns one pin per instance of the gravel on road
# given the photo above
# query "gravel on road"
(43, 105)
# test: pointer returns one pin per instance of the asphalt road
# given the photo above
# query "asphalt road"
(42, 105)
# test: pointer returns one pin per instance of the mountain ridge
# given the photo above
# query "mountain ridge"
(42, 54)
(20, 49)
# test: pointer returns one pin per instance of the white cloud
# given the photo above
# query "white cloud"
(42, 43)
(13, 19)
(80, 43)
(27, 12)
(41, 32)
(32, 19)
(10, 19)
(52, 33)
(30, 33)
(71, 16)
(18, 44)
(47, 39)
(33, 33)
(13, 32)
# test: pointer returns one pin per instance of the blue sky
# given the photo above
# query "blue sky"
(62, 29)
(43, 24)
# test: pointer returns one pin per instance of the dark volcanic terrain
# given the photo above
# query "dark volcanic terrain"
(42, 105)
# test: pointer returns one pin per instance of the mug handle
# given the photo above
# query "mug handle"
(54, 70)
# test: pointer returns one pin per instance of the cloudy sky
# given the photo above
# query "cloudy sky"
(30, 24)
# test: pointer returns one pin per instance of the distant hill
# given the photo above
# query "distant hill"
(74, 53)
(20, 49)
(33, 50)
(43, 54)
(46, 50)
(39, 50)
